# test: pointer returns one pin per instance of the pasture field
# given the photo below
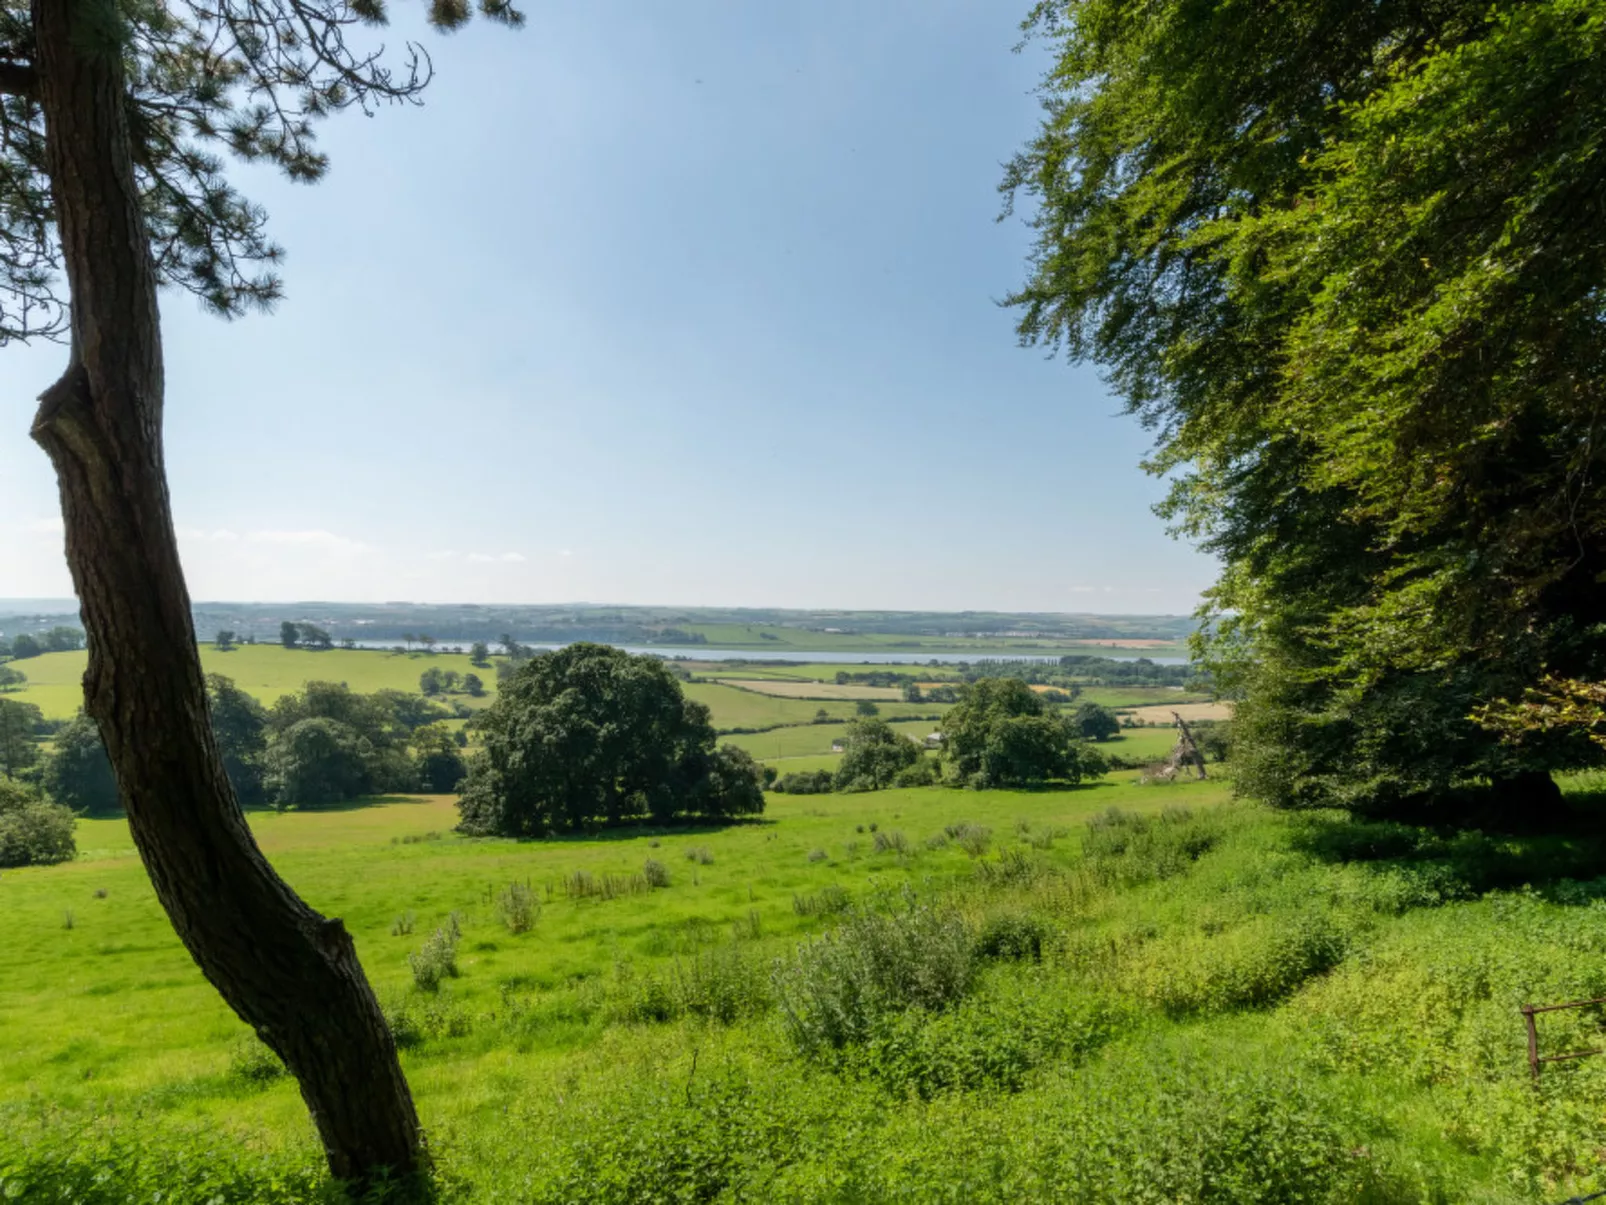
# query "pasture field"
(811, 739)
(814, 690)
(1194, 1001)
(266, 671)
(734, 707)
(1141, 744)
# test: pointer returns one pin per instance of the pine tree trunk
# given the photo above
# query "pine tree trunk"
(287, 971)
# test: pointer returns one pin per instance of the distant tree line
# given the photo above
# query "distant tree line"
(60, 639)
(1001, 733)
(449, 682)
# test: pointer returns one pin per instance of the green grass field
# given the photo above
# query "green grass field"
(811, 739)
(171, 1037)
(1231, 1005)
(779, 639)
(733, 707)
(55, 680)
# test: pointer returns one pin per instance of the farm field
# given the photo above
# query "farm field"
(779, 638)
(815, 671)
(812, 739)
(265, 671)
(269, 671)
(813, 690)
(1226, 996)
(1163, 713)
(733, 707)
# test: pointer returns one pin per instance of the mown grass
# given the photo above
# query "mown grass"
(1180, 1000)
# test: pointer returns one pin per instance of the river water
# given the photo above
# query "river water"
(698, 653)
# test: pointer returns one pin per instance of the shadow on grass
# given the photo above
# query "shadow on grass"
(1463, 863)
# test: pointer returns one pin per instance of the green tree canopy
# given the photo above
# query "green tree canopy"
(440, 761)
(289, 634)
(1344, 261)
(33, 831)
(591, 733)
(240, 724)
(319, 760)
(1000, 734)
(873, 754)
(1095, 722)
(78, 773)
(25, 645)
(20, 726)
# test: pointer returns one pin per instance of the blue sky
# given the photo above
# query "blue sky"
(663, 303)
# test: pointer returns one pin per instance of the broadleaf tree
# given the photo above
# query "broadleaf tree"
(118, 119)
(1345, 261)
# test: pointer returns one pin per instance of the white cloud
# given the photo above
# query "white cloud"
(316, 538)
(565, 552)
(481, 558)
(444, 554)
(511, 557)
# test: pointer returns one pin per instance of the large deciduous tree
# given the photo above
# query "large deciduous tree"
(1346, 261)
(114, 116)
(591, 734)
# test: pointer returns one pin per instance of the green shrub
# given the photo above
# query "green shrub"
(994, 1041)
(722, 984)
(251, 1060)
(701, 855)
(437, 958)
(834, 990)
(1016, 938)
(817, 855)
(33, 831)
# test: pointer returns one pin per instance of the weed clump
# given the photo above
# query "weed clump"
(436, 959)
(701, 855)
(817, 855)
(892, 842)
(251, 1061)
(655, 872)
(827, 901)
(1123, 848)
(972, 838)
(402, 926)
(517, 908)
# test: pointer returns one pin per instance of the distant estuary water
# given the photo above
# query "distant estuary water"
(698, 653)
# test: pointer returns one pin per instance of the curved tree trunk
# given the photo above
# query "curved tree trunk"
(286, 970)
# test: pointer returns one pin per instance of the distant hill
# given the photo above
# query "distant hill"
(668, 626)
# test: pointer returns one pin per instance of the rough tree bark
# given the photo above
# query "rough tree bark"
(286, 970)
